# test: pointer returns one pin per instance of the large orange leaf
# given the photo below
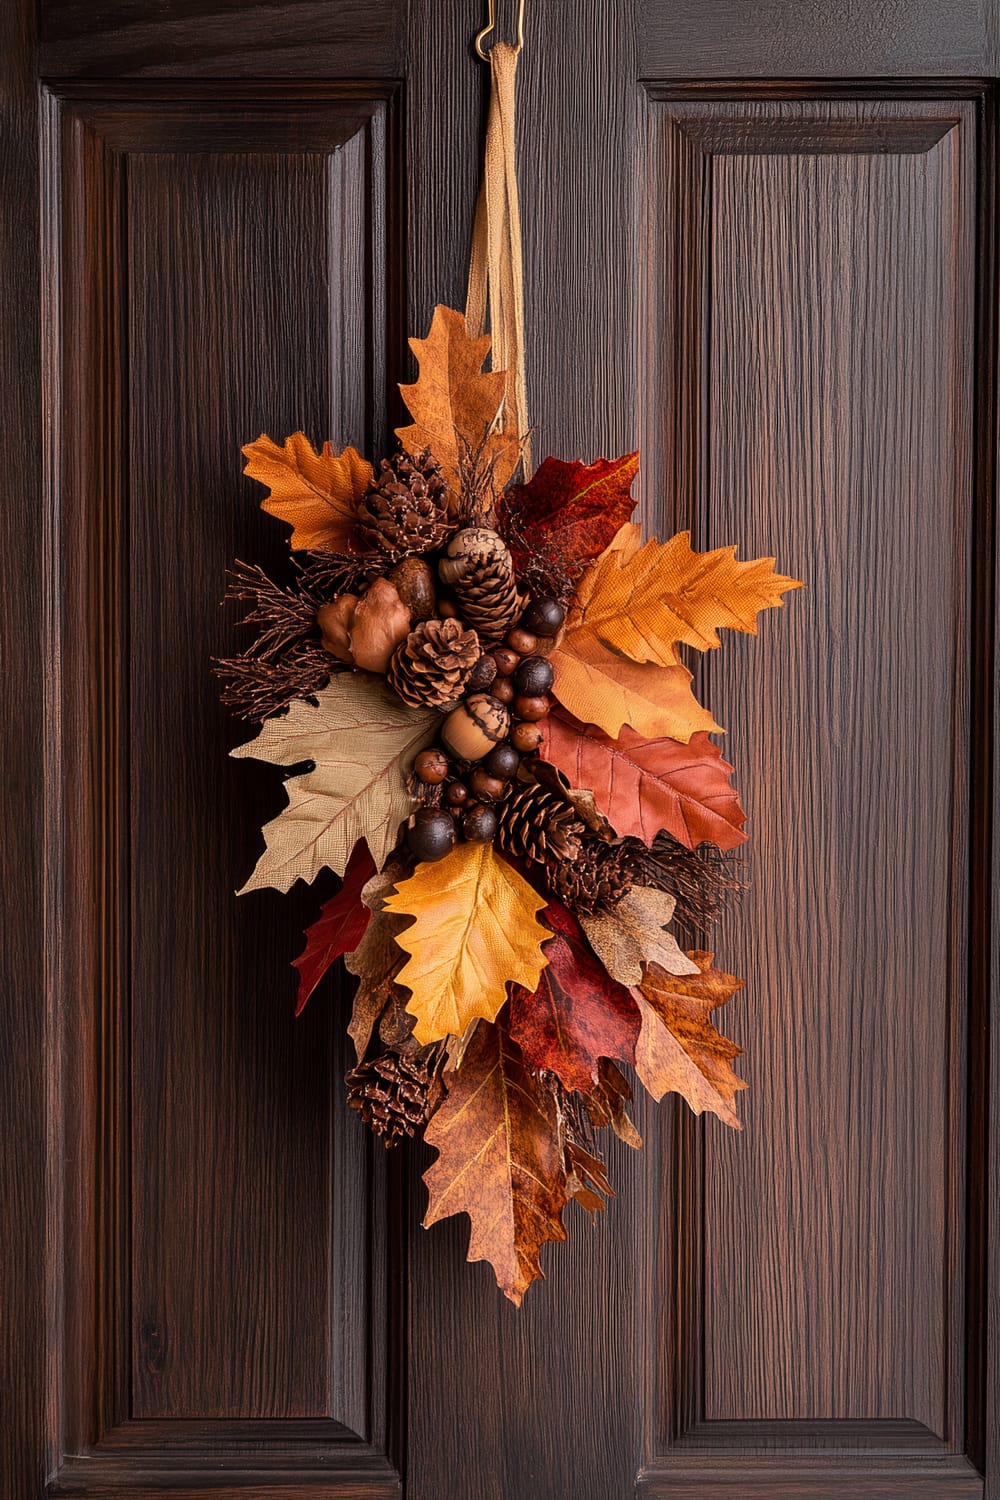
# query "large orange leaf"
(602, 687)
(578, 1014)
(645, 785)
(499, 1160)
(679, 1050)
(475, 931)
(315, 493)
(644, 603)
(454, 402)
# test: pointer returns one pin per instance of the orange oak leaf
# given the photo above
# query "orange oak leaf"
(600, 686)
(578, 1013)
(499, 1160)
(315, 493)
(342, 923)
(644, 603)
(569, 512)
(475, 932)
(454, 402)
(679, 1049)
(643, 786)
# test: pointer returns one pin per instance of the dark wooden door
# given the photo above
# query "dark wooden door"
(760, 240)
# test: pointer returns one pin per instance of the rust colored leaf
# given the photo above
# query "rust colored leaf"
(315, 493)
(587, 1178)
(679, 1049)
(454, 402)
(645, 786)
(475, 931)
(499, 1160)
(578, 1013)
(569, 512)
(606, 1103)
(341, 925)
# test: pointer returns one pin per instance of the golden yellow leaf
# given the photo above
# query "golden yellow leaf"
(604, 688)
(679, 1050)
(475, 931)
(361, 739)
(454, 402)
(315, 493)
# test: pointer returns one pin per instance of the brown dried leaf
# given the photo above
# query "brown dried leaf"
(631, 934)
(679, 1048)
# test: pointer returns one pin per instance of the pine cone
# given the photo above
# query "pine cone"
(406, 511)
(534, 823)
(480, 570)
(391, 1093)
(599, 877)
(433, 664)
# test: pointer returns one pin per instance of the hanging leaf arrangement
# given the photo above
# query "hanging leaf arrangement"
(478, 690)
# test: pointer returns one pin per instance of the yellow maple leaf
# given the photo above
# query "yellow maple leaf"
(600, 686)
(475, 930)
(644, 602)
(454, 402)
(315, 493)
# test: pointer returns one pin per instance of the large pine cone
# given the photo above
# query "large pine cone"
(599, 877)
(480, 570)
(406, 511)
(536, 824)
(433, 664)
(391, 1094)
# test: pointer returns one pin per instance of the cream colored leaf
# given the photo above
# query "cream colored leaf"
(361, 739)
(475, 932)
(631, 934)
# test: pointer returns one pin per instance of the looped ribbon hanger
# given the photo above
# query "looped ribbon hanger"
(496, 267)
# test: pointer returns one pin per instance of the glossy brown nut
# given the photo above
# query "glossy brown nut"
(431, 835)
(457, 793)
(432, 767)
(506, 660)
(503, 761)
(522, 641)
(503, 688)
(526, 738)
(543, 617)
(531, 709)
(486, 787)
(482, 675)
(480, 825)
(534, 676)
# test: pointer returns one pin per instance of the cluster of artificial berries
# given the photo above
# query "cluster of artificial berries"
(484, 738)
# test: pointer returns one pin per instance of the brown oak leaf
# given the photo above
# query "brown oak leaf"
(679, 1049)
(499, 1159)
(569, 512)
(578, 1013)
(606, 1103)
(645, 786)
(377, 960)
(315, 493)
(342, 923)
(632, 933)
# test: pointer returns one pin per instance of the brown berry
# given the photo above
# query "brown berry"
(534, 676)
(503, 761)
(482, 675)
(480, 825)
(531, 709)
(522, 641)
(503, 688)
(526, 738)
(543, 617)
(486, 787)
(431, 834)
(506, 660)
(457, 793)
(431, 767)
(472, 729)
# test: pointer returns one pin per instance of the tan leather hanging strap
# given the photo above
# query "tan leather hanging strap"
(496, 269)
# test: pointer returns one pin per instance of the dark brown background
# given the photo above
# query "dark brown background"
(760, 241)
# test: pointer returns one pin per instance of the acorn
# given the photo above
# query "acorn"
(472, 729)
(531, 709)
(543, 617)
(480, 825)
(534, 676)
(431, 834)
(503, 761)
(431, 767)
(526, 737)
(485, 787)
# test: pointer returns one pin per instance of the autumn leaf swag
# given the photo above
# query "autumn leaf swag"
(479, 688)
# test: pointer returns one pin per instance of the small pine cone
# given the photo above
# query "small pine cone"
(391, 1094)
(406, 511)
(537, 824)
(480, 570)
(433, 664)
(599, 877)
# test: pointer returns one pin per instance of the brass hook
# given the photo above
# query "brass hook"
(491, 24)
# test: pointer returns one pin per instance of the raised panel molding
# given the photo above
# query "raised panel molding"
(817, 289)
(220, 260)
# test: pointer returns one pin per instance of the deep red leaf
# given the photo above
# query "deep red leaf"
(568, 512)
(342, 923)
(578, 1014)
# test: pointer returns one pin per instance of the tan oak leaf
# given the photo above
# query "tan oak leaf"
(475, 932)
(361, 740)
(679, 1048)
(315, 493)
(632, 933)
